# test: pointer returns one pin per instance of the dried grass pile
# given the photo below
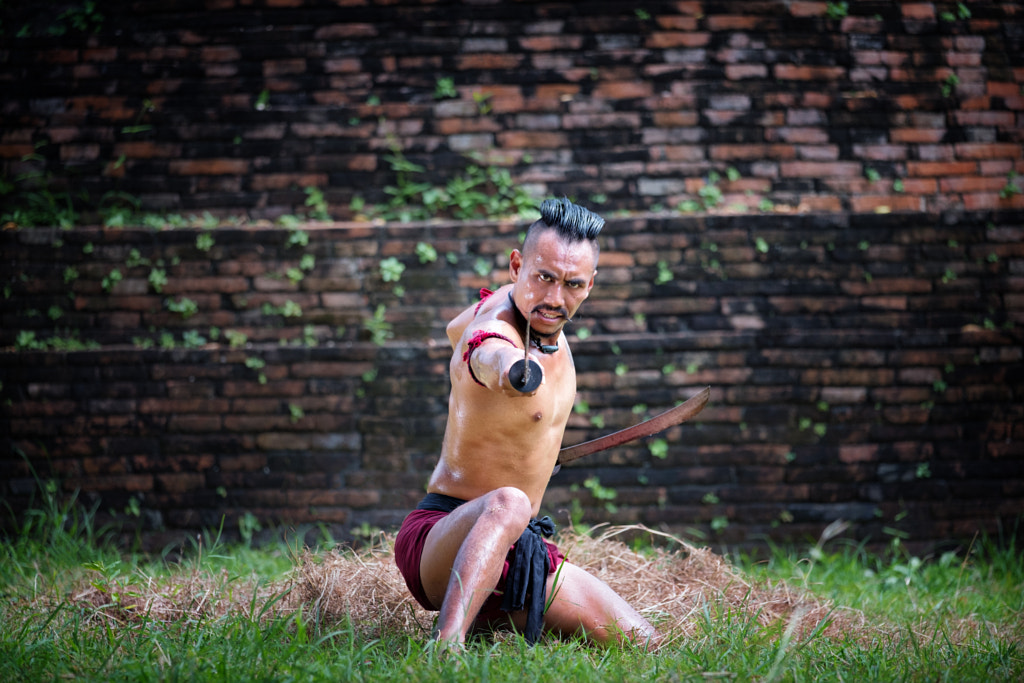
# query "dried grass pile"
(672, 587)
(192, 596)
(668, 586)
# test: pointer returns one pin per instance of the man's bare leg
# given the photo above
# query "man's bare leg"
(464, 554)
(580, 603)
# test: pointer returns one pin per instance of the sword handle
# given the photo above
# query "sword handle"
(523, 379)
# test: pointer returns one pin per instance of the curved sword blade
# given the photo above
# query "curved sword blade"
(669, 418)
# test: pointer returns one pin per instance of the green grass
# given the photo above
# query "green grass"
(951, 618)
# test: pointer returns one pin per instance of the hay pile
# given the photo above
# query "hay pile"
(667, 586)
(192, 596)
(671, 587)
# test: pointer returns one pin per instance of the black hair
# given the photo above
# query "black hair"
(572, 222)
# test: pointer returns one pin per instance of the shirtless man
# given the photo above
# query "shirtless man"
(500, 447)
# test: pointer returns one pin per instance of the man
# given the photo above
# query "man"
(473, 549)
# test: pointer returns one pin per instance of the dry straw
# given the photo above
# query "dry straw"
(672, 586)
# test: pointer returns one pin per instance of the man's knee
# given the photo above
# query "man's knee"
(509, 506)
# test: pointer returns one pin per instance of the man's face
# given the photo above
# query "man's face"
(552, 278)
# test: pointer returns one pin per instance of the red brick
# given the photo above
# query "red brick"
(629, 120)
(810, 169)
(283, 67)
(220, 53)
(997, 119)
(622, 90)
(793, 72)
(551, 43)
(971, 184)
(145, 149)
(280, 181)
(919, 168)
(857, 377)
(737, 72)
(885, 286)
(729, 22)
(209, 167)
(917, 135)
(485, 61)
(79, 152)
(982, 200)
(906, 414)
(855, 454)
(180, 482)
(273, 441)
(922, 11)
(533, 140)
(660, 40)
(132, 483)
(880, 152)
(827, 204)
(195, 423)
(346, 31)
(159, 406)
(798, 135)
(800, 8)
(329, 130)
(888, 203)
(988, 150)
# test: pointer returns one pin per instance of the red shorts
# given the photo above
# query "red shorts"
(409, 550)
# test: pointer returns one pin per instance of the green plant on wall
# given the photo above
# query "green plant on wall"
(391, 269)
(477, 192)
(204, 241)
(110, 280)
(948, 85)
(962, 12)
(426, 252)
(158, 279)
(1010, 188)
(379, 328)
(118, 209)
(317, 204)
(837, 10)
(444, 88)
(81, 17)
(483, 103)
(709, 195)
(184, 306)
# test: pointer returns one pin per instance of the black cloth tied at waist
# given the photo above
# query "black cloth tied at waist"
(526, 583)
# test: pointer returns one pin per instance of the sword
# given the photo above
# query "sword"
(525, 375)
(671, 417)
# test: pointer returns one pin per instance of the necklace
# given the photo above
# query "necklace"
(534, 338)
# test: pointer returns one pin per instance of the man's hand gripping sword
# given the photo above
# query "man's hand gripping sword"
(525, 375)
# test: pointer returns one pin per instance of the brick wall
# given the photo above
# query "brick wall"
(237, 106)
(864, 367)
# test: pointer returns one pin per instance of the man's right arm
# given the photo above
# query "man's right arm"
(490, 354)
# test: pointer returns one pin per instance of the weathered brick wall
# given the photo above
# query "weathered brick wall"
(236, 106)
(862, 367)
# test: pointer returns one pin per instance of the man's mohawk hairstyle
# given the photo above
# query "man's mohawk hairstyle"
(572, 221)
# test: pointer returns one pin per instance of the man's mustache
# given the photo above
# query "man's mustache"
(562, 312)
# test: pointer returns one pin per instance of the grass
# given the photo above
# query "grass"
(76, 606)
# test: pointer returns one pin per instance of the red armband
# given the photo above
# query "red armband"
(475, 341)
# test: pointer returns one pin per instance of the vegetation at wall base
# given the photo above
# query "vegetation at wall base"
(70, 599)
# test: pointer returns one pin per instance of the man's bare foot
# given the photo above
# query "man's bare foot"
(444, 648)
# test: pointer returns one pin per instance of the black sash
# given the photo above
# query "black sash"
(526, 585)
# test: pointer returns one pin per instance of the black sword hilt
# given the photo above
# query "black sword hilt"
(523, 380)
